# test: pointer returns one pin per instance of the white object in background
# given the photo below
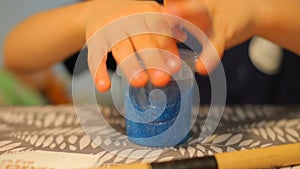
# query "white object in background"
(265, 55)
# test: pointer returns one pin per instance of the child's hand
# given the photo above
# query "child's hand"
(227, 23)
(113, 27)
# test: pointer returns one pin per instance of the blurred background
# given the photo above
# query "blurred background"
(16, 90)
(257, 71)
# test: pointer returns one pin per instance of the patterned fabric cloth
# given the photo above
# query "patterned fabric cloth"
(57, 129)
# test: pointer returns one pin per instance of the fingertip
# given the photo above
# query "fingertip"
(159, 78)
(139, 80)
(174, 65)
(210, 58)
(102, 85)
(170, 55)
(201, 68)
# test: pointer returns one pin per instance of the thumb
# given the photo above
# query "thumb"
(211, 54)
(197, 13)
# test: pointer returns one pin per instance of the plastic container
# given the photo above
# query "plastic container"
(161, 116)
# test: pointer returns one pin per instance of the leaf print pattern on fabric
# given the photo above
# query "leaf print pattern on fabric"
(9, 146)
(84, 142)
(56, 128)
(234, 140)
(245, 143)
(222, 138)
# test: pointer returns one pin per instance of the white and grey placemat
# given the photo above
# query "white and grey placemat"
(57, 129)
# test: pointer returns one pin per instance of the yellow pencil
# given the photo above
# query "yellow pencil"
(270, 157)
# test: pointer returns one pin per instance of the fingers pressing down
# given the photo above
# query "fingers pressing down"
(147, 57)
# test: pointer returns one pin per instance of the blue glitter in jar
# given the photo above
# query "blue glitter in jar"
(144, 120)
(161, 116)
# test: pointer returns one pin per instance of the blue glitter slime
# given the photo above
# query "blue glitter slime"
(150, 111)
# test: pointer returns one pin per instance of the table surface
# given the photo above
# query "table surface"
(37, 134)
